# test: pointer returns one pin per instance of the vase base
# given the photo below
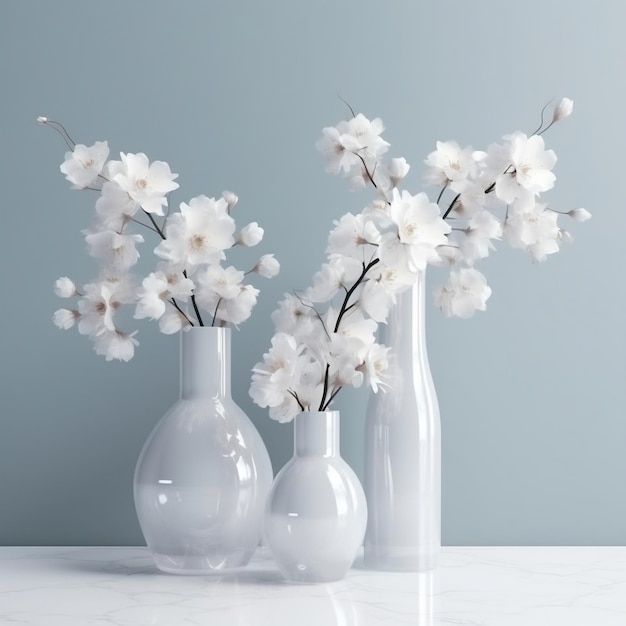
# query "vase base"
(202, 565)
(400, 560)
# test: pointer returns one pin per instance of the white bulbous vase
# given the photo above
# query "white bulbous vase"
(316, 512)
(403, 449)
(203, 475)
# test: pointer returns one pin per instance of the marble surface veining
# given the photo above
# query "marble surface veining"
(495, 586)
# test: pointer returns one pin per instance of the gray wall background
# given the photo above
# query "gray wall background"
(234, 95)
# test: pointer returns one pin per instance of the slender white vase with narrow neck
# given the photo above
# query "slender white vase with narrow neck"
(204, 473)
(316, 512)
(403, 449)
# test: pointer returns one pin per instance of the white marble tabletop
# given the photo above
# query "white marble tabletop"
(502, 586)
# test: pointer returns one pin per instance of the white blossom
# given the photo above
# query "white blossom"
(465, 292)
(97, 307)
(476, 244)
(250, 235)
(580, 215)
(529, 172)
(64, 287)
(146, 183)
(230, 198)
(420, 231)
(65, 318)
(562, 110)
(115, 345)
(226, 282)
(267, 266)
(198, 234)
(151, 298)
(353, 236)
(116, 250)
(83, 166)
(272, 378)
(171, 322)
(450, 163)
(532, 228)
(115, 206)
(374, 366)
(332, 276)
(238, 309)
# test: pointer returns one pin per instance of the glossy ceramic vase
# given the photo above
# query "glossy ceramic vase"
(316, 512)
(203, 475)
(403, 449)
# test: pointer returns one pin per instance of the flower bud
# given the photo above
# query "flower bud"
(565, 236)
(580, 215)
(562, 110)
(231, 199)
(267, 266)
(250, 235)
(64, 287)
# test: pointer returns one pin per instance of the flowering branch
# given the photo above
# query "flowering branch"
(378, 253)
(193, 244)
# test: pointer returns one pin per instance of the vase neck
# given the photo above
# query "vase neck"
(405, 331)
(205, 363)
(316, 433)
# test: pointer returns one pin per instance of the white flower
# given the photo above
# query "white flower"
(532, 228)
(83, 166)
(530, 170)
(476, 243)
(374, 366)
(64, 287)
(397, 170)
(250, 235)
(331, 278)
(376, 300)
(465, 292)
(295, 318)
(358, 136)
(198, 234)
(267, 266)
(286, 410)
(65, 318)
(117, 251)
(171, 322)
(97, 307)
(151, 297)
(238, 309)
(450, 163)
(353, 236)
(420, 231)
(339, 148)
(367, 134)
(580, 215)
(230, 198)
(562, 110)
(224, 282)
(178, 286)
(146, 183)
(272, 378)
(115, 206)
(114, 344)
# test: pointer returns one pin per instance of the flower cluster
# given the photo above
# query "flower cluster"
(189, 281)
(326, 335)
(376, 254)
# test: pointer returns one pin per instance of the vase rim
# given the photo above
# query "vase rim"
(196, 329)
(328, 412)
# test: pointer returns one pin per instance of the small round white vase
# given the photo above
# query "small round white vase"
(316, 512)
